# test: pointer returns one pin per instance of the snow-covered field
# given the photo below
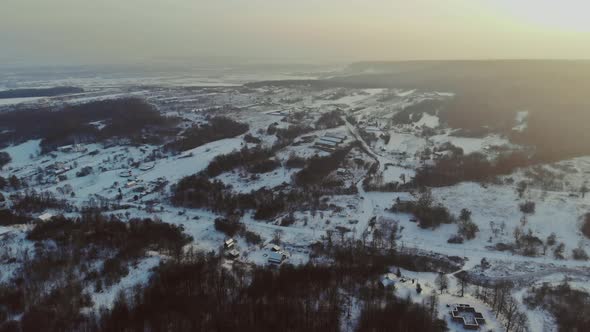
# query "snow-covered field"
(495, 207)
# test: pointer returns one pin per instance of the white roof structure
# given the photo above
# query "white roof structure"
(328, 143)
(275, 257)
(331, 139)
(229, 243)
(337, 136)
(45, 216)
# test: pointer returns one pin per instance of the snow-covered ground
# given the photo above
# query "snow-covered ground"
(398, 149)
(405, 287)
(470, 145)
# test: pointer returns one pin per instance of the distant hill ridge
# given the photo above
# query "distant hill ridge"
(42, 92)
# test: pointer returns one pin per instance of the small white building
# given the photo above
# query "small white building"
(147, 166)
(125, 174)
(229, 243)
(329, 143)
(72, 148)
(45, 217)
(276, 257)
(233, 254)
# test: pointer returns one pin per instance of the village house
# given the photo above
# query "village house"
(233, 254)
(125, 174)
(72, 148)
(276, 257)
(44, 217)
(229, 243)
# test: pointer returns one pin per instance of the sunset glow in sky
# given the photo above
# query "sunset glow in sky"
(107, 31)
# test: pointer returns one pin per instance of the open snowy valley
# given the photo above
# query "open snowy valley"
(101, 187)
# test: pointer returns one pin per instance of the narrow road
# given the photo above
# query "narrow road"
(357, 136)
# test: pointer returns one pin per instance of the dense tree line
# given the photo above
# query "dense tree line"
(398, 315)
(556, 134)
(199, 295)
(4, 159)
(414, 112)
(229, 226)
(330, 119)
(32, 201)
(72, 256)
(197, 191)
(555, 131)
(427, 213)
(215, 129)
(295, 161)
(255, 159)
(288, 134)
(129, 238)
(377, 254)
(317, 167)
(125, 117)
(454, 169)
(13, 182)
(249, 138)
(8, 217)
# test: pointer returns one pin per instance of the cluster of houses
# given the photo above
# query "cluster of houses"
(60, 168)
(231, 251)
(55, 173)
(142, 188)
(330, 142)
(276, 256)
(73, 148)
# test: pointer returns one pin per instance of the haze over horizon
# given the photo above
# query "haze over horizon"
(37, 32)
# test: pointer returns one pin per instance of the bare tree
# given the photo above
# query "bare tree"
(584, 190)
(510, 313)
(462, 277)
(441, 282)
(431, 303)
